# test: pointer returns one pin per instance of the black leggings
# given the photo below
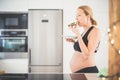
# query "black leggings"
(88, 70)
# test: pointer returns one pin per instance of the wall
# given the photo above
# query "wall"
(13, 5)
(45, 4)
(100, 9)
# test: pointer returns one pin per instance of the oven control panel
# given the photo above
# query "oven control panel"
(13, 33)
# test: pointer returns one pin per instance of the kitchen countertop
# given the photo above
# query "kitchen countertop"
(86, 76)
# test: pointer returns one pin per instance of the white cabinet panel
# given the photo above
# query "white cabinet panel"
(14, 65)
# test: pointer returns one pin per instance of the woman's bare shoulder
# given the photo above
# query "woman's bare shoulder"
(95, 32)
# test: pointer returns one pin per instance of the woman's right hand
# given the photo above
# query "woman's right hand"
(70, 40)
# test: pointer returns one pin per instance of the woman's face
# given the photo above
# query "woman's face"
(81, 18)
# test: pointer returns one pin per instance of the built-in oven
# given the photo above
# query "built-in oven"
(13, 43)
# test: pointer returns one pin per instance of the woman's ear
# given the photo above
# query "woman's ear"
(88, 16)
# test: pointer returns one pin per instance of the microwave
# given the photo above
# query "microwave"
(13, 20)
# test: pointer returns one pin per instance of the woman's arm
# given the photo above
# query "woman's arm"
(93, 40)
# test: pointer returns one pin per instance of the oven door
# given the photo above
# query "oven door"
(13, 47)
(13, 44)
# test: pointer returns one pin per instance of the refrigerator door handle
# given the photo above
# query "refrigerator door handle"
(29, 56)
(29, 61)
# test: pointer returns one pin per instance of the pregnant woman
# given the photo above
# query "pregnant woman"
(83, 59)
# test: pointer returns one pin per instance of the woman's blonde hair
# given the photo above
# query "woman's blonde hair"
(88, 11)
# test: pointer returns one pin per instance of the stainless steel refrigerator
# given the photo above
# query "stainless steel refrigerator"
(45, 41)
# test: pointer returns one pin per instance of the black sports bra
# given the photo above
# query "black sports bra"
(85, 40)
